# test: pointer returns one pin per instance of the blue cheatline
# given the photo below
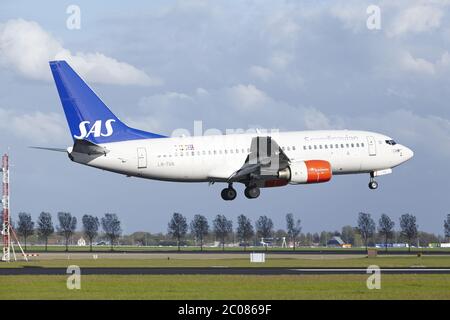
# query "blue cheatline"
(88, 117)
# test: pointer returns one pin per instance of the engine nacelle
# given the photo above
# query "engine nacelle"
(310, 171)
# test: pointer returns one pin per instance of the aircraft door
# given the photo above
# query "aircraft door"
(141, 158)
(372, 146)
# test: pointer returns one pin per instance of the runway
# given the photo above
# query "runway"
(261, 271)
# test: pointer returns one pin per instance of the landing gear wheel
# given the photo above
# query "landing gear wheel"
(228, 194)
(373, 185)
(252, 192)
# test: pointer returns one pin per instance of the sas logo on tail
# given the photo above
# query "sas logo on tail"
(95, 130)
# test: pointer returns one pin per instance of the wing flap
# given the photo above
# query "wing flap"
(266, 158)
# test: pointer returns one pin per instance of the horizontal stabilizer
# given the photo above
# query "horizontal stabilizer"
(50, 149)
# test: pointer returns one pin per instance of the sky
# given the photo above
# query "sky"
(289, 65)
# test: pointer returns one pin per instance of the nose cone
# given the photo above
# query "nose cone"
(407, 153)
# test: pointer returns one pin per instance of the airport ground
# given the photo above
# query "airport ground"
(219, 285)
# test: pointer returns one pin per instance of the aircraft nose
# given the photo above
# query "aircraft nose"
(407, 153)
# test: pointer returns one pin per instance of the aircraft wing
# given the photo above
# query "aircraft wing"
(266, 158)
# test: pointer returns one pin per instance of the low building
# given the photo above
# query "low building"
(81, 242)
(335, 242)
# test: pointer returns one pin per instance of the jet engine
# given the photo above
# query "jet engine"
(309, 171)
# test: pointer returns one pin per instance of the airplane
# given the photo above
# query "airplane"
(256, 160)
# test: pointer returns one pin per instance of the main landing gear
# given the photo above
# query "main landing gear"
(372, 183)
(251, 192)
(229, 193)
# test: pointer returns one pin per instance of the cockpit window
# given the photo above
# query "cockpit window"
(391, 142)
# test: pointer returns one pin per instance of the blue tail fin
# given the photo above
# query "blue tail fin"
(88, 117)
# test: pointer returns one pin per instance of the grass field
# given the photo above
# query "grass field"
(226, 287)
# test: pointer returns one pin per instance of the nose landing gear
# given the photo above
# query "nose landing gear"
(372, 183)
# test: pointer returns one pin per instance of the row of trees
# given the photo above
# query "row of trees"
(222, 228)
(408, 227)
(67, 225)
(367, 232)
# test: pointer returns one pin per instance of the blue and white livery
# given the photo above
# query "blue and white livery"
(258, 161)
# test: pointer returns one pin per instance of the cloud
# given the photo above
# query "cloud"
(423, 66)
(444, 61)
(235, 108)
(351, 14)
(26, 47)
(314, 119)
(416, 19)
(247, 97)
(282, 27)
(36, 127)
(418, 65)
(261, 73)
(281, 60)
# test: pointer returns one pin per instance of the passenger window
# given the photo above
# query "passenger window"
(337, 146)
(288, 149)
(315, 147)
(347, 145)
(353, 145)
(342, 145)
(304, 147)
(293, 148)
(310, 147)
(362, 144)
(357, 145)
(331, 146)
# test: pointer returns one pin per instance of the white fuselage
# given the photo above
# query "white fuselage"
(215, 158)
